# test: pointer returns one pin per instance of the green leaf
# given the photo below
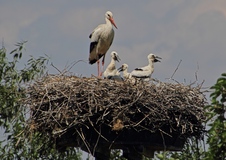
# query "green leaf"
(223, 74)
(15, 56)
(13, 51)
(221, 80)
(20, 55)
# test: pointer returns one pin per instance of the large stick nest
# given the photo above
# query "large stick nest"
(60, 102)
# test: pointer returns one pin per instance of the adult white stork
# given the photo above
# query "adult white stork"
(111, 69)
(146, 72)
(124, 70)
(101, 40)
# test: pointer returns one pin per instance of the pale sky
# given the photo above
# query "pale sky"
(188, 30)
(192, 31)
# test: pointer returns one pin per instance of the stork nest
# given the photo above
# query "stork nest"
(60, 102)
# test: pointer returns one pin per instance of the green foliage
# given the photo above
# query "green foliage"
(165, 156)
(191, 151)
(116, 154)
(11, 80)
(13, 114)
(217, 121)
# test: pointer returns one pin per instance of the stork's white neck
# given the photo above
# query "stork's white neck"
(112, 61)
(108, 22)
(111, 65)
(151, 63)
(125, 73)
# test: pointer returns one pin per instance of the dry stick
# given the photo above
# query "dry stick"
(19, 137)
(97, 130)
(98, 138)
(142, 120)
(40, 105)
(74, 63)
(201, 84)
(18, 141)
(145, 128)
(66, 69)
(55, 68)
(83, 139)
(164, 144)
(176, 69)
(130, 104)
(113, 141)
(165, 133)
(59, 132)
(196, 75)
(196, 72)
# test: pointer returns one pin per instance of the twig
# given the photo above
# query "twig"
(176, 69)
(196, 72)
(74, 63)
(98, 138)
(165, 133)
(99, 133)
(163, 140)
(55, 68)
(83, 139)
(141, 120)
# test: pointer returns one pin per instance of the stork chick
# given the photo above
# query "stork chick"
(146, 72)
(124, 70)
(111, 69)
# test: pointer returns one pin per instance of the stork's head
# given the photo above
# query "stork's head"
(123, 67)
(109, 16)
(154, 58)
(114, 55)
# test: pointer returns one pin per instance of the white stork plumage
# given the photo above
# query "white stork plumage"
(111, 69)
(101, 40)
(146, 72)
(124, 70)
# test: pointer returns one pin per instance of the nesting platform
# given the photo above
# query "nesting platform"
(98, 115)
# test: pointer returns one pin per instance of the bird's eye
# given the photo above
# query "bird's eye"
(108, 15)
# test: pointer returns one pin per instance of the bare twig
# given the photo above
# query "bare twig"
(97, 141)
(74, 63)
(83, 138)
(163, 141)
(55, 67)
(196, 72)
(176, 69)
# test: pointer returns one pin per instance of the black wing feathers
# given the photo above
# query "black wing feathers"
(138, 69)
(140, 76)
(92, 46)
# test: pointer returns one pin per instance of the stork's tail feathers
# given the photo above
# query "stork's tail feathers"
(92, 46)
(93, 58)
(92, 61)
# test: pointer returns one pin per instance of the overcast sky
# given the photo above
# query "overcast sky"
(192, 31)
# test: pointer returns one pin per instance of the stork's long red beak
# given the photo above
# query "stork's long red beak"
(113, 22)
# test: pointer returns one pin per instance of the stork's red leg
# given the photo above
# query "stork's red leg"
(98, 67)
